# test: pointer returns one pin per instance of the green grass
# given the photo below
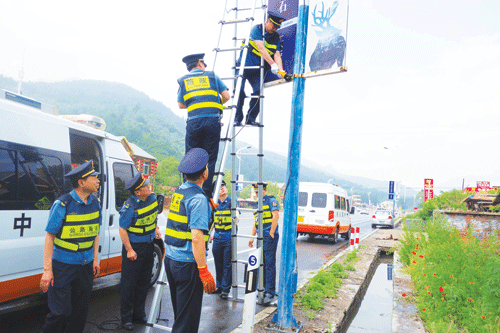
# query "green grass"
(456, 280)
(324, 285)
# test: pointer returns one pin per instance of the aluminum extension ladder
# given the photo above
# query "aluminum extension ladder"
(239, 46)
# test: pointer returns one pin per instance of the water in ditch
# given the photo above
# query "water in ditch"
(375, 311)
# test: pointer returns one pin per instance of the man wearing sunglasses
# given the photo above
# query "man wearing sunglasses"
(202, 93)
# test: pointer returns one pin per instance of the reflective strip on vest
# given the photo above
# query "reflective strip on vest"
(177, 218)
(200, 93)
(183, 234)
(271, 49)
(145, 222)
(223, 220)
(83, 217)
(204, 105)
(267, 216)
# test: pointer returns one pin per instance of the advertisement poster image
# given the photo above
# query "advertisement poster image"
(327, 33)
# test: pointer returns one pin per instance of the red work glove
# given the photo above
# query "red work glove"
(207, 279)
(213, 204)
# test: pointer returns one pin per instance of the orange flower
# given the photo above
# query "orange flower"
(417, 246)
(421, 256)
(483, 317)
(472, 282)
(448, 255)
(451, 276)
(425, 274)
(414, 262)
(442, 298)
(427, 287)
(429, 292)
(404, 295)
(413, 252)
(441, 289)
(442, 294)
(424, 309)
(469, 300)
(434, 274)
(437, 304)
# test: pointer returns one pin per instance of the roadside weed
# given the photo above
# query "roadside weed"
(456, 278)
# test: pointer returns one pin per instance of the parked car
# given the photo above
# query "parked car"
(383, 218)
(364, 212)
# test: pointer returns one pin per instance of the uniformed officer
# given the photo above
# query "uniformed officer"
(270, 217)
(137, 231)
(70, 253)
(221, 248)
(202, 93)
(185, 237)
(269, 47)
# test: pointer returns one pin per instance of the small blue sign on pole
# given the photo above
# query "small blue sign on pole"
(391, 196)
(391, 187)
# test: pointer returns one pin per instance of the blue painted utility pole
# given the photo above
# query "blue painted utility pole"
(288, 272)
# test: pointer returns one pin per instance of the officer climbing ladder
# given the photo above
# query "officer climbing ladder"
(240, 50)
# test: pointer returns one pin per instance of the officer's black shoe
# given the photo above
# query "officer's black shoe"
(128, 326)
(140, 320)
(252, 123)
(224, 295)
(217, 291)
(237, 123)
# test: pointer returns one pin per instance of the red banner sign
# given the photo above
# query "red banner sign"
(428, 189)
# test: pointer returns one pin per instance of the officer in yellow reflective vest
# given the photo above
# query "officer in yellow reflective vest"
(202, 93)
(270, 218)
(137, 231)
(221, 248)
(70, 253)
(185, 238)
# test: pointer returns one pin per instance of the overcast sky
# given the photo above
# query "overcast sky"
(420, 99)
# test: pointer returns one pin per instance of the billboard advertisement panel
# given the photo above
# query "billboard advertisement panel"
(326, 36)
(428, 189)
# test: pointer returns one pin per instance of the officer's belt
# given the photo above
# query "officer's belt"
(205, 115)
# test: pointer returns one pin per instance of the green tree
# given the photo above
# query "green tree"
(167, 173)
(446, 200)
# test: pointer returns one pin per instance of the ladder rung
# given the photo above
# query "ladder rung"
(247, 236)
(243, 20)
(230, 77)
(244, 9)
(246, 67)
(231, 49)
(242, 261)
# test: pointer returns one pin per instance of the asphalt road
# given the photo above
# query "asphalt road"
(218, 316)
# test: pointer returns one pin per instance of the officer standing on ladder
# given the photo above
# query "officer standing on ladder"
(137, 231)
(70, 254)
(270, 217)
(202, 93)
(185, 237)
(270, 48)
(221, 248)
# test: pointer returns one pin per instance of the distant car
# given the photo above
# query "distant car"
(363, 212)
(383, 218)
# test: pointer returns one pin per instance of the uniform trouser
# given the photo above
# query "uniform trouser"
(69, 298)
(204, 133)
(186, 293)
(135, 279)
(270, 247)
(221, 250)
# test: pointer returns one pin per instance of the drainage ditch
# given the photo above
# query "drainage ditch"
(371, 310)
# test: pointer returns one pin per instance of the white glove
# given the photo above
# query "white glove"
(274, 68)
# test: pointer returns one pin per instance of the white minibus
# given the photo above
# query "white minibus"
(323, 210)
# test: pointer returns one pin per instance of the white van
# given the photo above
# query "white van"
(323, 210)
(36, 150)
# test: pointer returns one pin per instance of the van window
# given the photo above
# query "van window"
(29, 180)
(123, 173)
(318, 200)
(302, 199)
(337, 202)
(342, 203)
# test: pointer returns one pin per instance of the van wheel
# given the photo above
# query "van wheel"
(347, 235)
(335, 236)
(157, 262)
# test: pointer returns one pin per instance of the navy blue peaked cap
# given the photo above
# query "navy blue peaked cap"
(192, 59)
(195, 160)
(275, 18)
(137, 182)
(84, 170)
